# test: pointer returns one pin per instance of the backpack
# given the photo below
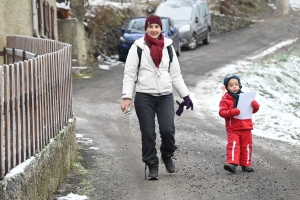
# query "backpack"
(139, 52)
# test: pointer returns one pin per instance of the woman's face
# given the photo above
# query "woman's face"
(153, 30)
(233, 85)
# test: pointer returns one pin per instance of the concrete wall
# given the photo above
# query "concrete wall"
(46, 171)
(72, 32)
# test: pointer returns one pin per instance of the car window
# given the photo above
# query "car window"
(204, 9)
(171, 24)
(175, 12)
(137, 25)
(197, 12)
(164, 22)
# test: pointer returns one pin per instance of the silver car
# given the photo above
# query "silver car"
(191, 17)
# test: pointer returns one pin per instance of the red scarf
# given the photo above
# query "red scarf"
(156, 47)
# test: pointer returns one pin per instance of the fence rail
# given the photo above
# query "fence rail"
(35, 97)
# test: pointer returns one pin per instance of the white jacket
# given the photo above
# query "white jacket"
(152, 80)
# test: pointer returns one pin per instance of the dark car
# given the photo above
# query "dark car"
(191, 17)
(135, 30)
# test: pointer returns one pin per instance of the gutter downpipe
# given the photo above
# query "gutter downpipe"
(34, 19)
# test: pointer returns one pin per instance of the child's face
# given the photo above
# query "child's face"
(233, 85)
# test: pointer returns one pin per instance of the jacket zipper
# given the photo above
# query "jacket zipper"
(157, 80)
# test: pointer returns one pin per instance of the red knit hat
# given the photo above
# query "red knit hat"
(153, 19)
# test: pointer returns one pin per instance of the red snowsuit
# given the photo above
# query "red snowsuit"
(239, 135)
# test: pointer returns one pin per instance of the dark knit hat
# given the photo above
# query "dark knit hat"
(153, 19)
(231, 76)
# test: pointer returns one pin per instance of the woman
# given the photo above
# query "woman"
(154, 85)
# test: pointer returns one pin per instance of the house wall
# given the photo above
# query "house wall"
(17, 19)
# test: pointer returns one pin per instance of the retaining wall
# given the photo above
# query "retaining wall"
(46, 171)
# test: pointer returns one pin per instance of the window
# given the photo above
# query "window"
(52, 23)
(46, 19)
(40, 20)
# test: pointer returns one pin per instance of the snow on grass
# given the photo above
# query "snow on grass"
(275, 79)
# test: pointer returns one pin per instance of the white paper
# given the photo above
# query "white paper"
(244, 105)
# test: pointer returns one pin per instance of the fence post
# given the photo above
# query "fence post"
(4, 55)
(13, 55)
(24, 55)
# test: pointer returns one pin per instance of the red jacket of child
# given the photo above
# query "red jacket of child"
(231, 123)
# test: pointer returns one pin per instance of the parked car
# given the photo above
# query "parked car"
(191, 17)
(136, 29)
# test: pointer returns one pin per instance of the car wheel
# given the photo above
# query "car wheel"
(193, 43)
(178, 52)
(207, 39)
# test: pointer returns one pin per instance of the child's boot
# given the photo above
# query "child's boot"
(230, 167)
(247, 169)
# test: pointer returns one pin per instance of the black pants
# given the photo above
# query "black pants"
(146, 106)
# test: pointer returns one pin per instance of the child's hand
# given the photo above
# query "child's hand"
(234, 112)
(255, 106)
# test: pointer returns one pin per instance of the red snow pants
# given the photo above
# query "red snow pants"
(239, 147)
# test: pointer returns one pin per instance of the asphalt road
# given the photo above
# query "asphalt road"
(110, 149)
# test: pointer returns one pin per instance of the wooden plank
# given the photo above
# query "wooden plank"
(70, 82)
(42, 100)
(22, 112)
(27, 130)
(60, 85)
(39, 138)
(17, 113)
(51, 95)
(2, 141)
(55, 97)
(7, 118)
(32, 115)
(36, 105)
(63, 99)
(10, 41)
(47, 98)
(12, 115)
(18, 41)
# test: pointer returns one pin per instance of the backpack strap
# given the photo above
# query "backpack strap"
(139, 52)
(170, 51)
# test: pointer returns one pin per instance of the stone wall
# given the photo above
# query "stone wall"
(46, 171)
(72, 32)
(226, 23)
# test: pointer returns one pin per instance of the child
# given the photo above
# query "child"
(239, 136)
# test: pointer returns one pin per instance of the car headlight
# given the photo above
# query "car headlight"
(185, 28)
(122, 40)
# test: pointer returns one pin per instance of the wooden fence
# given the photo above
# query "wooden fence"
(35, 97)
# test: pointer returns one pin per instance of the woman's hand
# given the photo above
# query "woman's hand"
(125, 103)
